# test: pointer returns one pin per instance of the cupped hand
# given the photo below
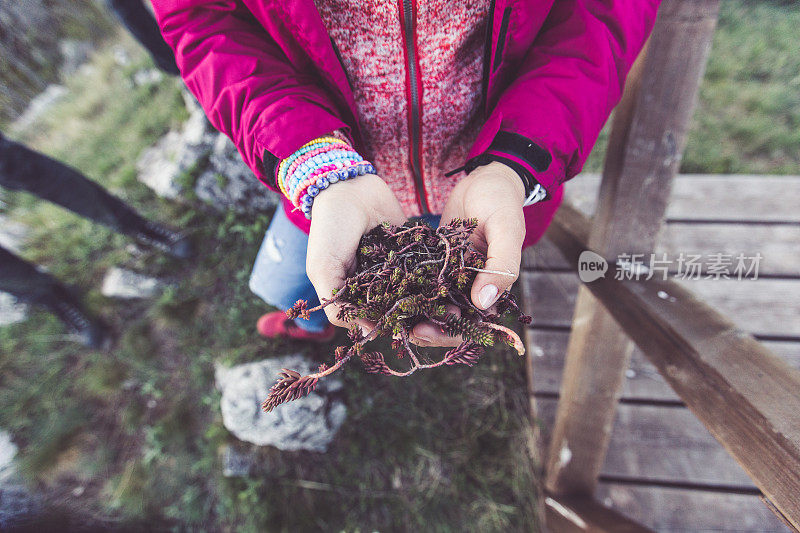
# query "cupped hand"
(493, 194)
(341, 214)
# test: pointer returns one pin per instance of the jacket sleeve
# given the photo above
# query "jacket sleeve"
(549, 117)
(244, 82)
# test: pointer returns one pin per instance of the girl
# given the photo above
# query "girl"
(365, 111)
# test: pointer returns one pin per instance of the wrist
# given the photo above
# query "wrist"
(534, 191)
(504, 180)
(509, 175)
(356, 206)
(365, 193)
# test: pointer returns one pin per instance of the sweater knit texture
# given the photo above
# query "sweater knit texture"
(449, 38)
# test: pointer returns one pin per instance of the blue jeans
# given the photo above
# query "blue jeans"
(279, 274)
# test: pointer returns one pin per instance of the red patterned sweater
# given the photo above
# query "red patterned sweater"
(449, 38)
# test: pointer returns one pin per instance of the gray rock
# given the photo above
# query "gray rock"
(11, 311)
(121, 56)
(308, 423)
(12, 234)
(224, 181)
(73, 54)
(147, 76)
(38, 105)
(163, 166)
(16, 501)
(8, 450)
(125, 284)
(236, 463)
(197, 130)
(230, 184)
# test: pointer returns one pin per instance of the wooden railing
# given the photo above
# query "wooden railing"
(747, 397)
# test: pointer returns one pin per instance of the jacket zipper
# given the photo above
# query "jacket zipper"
(501, 39)
(487, 59)
(415, 103)
(341, 62)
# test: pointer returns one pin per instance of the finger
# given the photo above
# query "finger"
(366, 326)
(331, 256)
(429, 334)
(325, 283)
(453, 208)
(504, 232)
(332, 312)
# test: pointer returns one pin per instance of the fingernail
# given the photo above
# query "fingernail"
(487, 296)
(364, 330)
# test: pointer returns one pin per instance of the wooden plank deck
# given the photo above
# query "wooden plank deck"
(663, 467)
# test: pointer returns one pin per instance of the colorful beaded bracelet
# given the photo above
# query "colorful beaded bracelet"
(322, 153)
(322, 142)
(317, 144)
(314, 176)
(323, 182)
(314, 163)
(309, 158)
(315, 166)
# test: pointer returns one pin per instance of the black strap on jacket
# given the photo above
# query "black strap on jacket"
(517, 146)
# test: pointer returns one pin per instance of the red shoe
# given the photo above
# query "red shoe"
(276, 324)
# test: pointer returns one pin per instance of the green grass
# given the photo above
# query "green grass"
(750, 98)
(747, 119)
(26, 42)
(139, 429)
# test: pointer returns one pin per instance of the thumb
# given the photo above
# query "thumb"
(504, 237)
(325, 280)
(330, 256)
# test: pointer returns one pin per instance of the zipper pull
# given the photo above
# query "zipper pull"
(455, 171)
(472, 164)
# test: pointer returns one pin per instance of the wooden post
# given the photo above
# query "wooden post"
(647, 141)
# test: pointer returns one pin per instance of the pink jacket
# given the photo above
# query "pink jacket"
(267, 75)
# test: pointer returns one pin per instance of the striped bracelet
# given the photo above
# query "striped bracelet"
(285, 165)
(315, 166)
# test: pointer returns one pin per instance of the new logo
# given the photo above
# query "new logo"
(591, 266)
